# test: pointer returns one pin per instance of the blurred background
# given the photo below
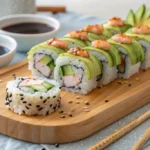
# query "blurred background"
(100, 8)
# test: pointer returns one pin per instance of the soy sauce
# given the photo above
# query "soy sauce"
(3, 50)
(28, 28)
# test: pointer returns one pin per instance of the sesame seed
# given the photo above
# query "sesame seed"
(86, 110)
(137, 79)
(27, 107)
(21, 94)
(24, 102)
(77, 97)
(23, 111)
(59, 87)
(10, 101)
(48, 97)
(69, 102)
(40, 109)
(54, 108)
(35, 115)
(62, 116)
(86, 103)
(129, 84)
(41, 97)
(56, 145)
(54, 96)
(47, 112)
(106, 101)
(61, 111)
(44, 101)
(77, 102)
(69, 114)
(22, 99)
(30, 104)
(50, 105)
(37, 105)
(10, 95)
(7, 103)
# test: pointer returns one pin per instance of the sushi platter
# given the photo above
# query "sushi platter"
(73, 86)
(106, 104)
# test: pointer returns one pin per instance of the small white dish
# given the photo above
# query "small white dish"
(26, 41)
(9, 43)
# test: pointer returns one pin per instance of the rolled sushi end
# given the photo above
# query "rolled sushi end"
(32, 96)
(77, 71)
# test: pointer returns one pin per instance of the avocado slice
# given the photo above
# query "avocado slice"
(130, 18)
(79, 42)
(48, 85)
(46, 59)
(129, 49)
(51, 65)
(44, 46)
(105, 53)
(39, 88)
(111, 28)
(93, 36)
(89, 71)
(146, 17)
(139, 14)
(115, 55)
(97, 65)
(67, 70)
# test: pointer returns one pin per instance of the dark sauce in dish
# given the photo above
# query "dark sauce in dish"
(28, 28)
(3, 50)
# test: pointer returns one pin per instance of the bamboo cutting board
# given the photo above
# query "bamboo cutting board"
(106, 105)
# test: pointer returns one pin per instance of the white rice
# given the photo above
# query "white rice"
(109, 74)
(129, 68)
(31, 67)
(146, 63)
(85, 85)
(27, 103)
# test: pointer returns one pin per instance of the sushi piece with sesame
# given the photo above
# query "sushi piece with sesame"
(77, 71)
(42, 57)
(32, 96)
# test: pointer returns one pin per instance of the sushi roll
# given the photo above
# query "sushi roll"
(77, 71)
(110, 58)
(116, 25)
(142, 35)
(42, 57)
(32, 96)
(77, 39)
(131, 53)
(96, 32)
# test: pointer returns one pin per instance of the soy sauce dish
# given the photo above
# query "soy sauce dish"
(8, 47)
(29, 30)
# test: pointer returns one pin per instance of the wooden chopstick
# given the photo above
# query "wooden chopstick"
(121, 132)
(53, 9)
(142, 140)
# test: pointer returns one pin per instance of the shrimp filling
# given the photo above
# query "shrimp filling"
(71, 76)
(44, 64)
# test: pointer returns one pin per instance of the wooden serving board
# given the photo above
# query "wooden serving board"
(122, 100)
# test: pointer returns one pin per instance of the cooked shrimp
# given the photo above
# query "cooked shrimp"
(116, 21)
(78, 52)
(141, 30)
(101, 44)
(58, 43)
(98, 28)
(79, 35)
(121, 38)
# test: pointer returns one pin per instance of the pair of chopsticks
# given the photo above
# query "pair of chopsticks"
(53, 9)
(124, 130)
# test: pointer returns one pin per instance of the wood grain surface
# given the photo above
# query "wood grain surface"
(106, 105)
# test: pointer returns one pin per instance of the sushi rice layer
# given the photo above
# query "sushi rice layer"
(30, 102)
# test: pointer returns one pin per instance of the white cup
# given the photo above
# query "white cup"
(10, 7)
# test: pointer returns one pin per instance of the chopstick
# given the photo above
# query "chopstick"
(121, 132)
(142, 140)
(53, 9)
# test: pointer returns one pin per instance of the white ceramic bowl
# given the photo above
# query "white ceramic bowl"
(9, 43)
(26, 41)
